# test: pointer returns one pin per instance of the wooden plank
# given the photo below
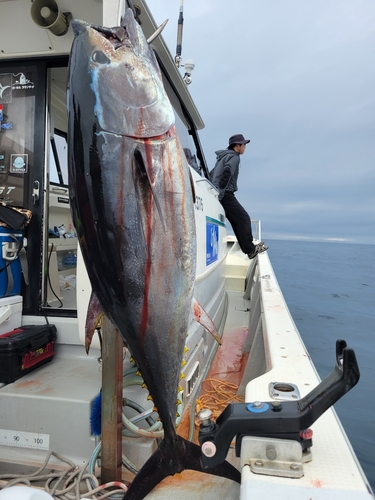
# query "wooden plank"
(112, 356)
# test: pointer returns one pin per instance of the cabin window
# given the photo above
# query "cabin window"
(22, 105)
(184, 129)
(188, 145)
(17, 111)
(58, 165)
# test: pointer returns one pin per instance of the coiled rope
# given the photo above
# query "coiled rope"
(72, 483)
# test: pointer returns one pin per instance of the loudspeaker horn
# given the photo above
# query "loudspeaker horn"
(47, 14)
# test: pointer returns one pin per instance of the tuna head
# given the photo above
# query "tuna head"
(121, 69)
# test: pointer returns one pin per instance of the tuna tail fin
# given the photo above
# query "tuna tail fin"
(169, 459)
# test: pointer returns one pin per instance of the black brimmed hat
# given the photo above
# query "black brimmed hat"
(238, 139)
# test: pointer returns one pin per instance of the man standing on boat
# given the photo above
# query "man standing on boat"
(224, 177)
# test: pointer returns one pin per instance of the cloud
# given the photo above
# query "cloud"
(298, 79)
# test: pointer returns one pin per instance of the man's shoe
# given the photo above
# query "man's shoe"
(254, 253)
(258, 249)
(261, 247)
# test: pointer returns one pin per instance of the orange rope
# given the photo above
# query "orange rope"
(217, 396)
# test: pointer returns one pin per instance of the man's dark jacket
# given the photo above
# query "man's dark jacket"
(224, 175)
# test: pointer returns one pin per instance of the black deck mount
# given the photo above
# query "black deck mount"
(275, 419)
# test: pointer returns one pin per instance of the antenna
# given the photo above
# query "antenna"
(189, 64)
(179, 35)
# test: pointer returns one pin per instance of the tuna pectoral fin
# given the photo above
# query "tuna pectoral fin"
(138, 158)
(93, 318)
(170, 459)
(203, 318)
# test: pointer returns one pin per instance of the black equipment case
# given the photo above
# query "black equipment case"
(24, 349)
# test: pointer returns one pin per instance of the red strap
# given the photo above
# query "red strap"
(17, 330)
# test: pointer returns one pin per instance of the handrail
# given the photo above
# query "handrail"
(209, 182)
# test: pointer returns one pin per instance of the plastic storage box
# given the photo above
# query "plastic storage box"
(10, 313)
(24, 349)
(10, 264)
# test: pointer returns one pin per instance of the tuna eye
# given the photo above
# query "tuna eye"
(100, 58)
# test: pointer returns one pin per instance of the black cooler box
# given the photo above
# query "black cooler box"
(24, 349)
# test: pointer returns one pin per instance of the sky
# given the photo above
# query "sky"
(297, 78)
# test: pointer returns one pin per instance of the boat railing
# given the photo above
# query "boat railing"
(273, 346)
(257, 229)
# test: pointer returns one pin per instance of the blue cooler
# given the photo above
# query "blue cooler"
(10, 265)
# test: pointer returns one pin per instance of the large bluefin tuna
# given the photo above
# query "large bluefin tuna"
(132, 204)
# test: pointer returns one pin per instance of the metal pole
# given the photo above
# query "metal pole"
(112, 357)
(179, 35)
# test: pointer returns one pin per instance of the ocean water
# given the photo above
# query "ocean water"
(330, 292)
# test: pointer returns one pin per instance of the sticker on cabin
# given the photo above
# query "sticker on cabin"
(212, 242)
(3, 169)
(23, 84)
(5, 88)
(18, 164)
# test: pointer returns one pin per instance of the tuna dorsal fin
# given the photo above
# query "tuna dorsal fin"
(203, 318)
(93, 318)
(157, 32)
